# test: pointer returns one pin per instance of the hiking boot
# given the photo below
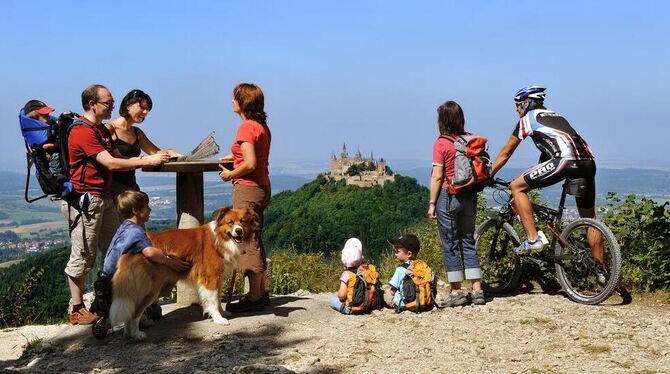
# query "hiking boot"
(246, 305)
(478, 297)
(529, 246)
(454, 299)
(265, 298)
(83, 317)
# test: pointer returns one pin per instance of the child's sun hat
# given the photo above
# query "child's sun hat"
(352, 253)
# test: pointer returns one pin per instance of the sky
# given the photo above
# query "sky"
(366, 73)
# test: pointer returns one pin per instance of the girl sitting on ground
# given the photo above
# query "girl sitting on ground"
(352, 258)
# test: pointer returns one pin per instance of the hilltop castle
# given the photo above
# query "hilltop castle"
(359, 171)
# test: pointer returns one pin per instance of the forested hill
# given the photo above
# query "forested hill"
(34, 291)
(321, 215)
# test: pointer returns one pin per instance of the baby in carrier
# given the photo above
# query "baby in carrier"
(360, 289)
(39, 111)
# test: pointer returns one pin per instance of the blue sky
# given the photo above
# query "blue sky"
(368, 73)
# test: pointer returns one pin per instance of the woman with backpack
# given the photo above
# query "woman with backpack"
(130, 140)
(455, 210)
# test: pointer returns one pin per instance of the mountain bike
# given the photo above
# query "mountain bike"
(583, 278)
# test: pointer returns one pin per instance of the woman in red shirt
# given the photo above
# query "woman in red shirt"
(455, 212)
(251, 185)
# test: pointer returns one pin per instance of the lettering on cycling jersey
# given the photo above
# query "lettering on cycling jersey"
(542, 171)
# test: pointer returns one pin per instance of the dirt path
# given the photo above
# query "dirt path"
(525, 333)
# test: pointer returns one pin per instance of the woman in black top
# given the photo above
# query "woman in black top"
(131, 140)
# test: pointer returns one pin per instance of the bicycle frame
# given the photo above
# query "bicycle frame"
(552, 218)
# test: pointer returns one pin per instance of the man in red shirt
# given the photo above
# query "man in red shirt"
(90, 212)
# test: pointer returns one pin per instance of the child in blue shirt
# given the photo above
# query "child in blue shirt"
(131, 237)
(406, 249)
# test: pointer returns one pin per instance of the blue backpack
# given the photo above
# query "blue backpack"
(51, 166)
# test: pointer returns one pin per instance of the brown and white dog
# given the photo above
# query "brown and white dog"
(213, 249)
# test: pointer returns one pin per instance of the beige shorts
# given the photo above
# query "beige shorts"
(253, 260)
(92, 233)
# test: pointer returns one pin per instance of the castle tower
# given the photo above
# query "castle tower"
(334, 165)
(344, 155)
(381, 166)
(358, 156)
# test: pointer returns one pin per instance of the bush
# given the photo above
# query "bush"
(315, 272)
(642, 227)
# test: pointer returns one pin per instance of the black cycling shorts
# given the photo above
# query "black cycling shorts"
(558, 169)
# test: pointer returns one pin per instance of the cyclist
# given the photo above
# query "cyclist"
(564, 154)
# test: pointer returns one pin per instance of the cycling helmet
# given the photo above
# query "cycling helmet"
(530, 92)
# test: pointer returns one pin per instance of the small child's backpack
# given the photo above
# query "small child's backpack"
(51, 168)
(364, 290)
(419, 287)
(472, 164)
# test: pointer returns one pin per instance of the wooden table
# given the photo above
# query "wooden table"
(190, 184)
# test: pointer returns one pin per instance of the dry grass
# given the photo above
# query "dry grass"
(596, 349)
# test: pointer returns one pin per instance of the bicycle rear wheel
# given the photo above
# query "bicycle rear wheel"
(501, 267)
(585, 279)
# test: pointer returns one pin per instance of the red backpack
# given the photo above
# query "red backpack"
(472, 164)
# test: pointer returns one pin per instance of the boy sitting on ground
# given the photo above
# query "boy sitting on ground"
(131, 237)
(412, 286)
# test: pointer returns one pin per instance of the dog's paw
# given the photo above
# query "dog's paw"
(139, 336)
(220, 320)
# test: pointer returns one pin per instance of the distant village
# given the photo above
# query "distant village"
(359, 171)
(31, 246)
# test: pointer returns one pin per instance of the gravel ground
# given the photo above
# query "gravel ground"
(527, 333)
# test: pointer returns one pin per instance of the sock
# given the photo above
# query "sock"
(78, 307)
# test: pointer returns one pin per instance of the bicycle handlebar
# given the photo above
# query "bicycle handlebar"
(497, 182)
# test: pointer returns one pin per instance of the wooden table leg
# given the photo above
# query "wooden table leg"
(190, 200)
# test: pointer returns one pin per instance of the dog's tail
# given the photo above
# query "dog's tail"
(132, 287)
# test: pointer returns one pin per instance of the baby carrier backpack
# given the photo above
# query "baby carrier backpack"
(51, 168)
(364, 290)
(419, 287)
(472, 164)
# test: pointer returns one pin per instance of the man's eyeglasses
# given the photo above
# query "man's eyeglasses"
(106, 103)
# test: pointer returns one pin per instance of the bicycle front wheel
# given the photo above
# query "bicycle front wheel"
(589, 266)
(501, 267)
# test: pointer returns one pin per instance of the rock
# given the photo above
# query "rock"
(261, 369)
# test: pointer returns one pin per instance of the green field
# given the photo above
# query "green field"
(7, 264)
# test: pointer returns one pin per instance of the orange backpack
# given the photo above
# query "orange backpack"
(418, 287)
(364, 290)
(472, 164)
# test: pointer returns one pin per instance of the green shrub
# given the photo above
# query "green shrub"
(642, 227)
(314, 272)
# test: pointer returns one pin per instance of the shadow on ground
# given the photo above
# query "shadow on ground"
(181, 342)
